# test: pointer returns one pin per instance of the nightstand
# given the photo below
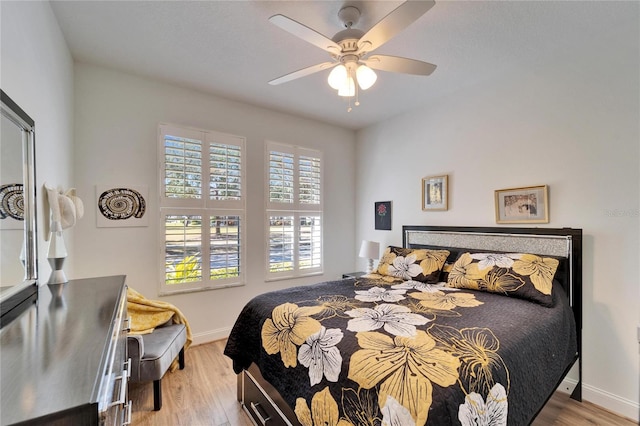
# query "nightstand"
(353, 274)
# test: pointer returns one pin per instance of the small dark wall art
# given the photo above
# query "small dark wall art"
(383, 215)
(120, 206)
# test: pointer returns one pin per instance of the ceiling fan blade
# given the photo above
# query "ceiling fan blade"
(397, 64)
(303, 72)
(305, 33)
(396, 21)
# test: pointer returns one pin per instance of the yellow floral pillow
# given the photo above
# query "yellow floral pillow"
(522, 275)
(412, 264)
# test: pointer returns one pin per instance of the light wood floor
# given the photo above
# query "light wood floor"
(204, 393)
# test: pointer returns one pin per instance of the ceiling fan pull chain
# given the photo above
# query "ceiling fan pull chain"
(352, 80)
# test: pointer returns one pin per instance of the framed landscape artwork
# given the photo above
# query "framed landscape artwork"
(522, 205)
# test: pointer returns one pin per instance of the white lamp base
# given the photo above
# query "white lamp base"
(369, 266)
(57, 274)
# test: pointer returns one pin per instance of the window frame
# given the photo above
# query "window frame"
(203, 206)
(295, 209)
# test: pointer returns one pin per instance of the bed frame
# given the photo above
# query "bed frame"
(263, 403)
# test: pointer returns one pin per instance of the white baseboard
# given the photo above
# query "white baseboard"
(607, 400)
(211, 335)
(567, 385)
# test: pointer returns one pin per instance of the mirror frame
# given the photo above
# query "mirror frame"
(23, 293)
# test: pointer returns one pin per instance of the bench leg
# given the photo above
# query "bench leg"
(181, 358)
(157, 395)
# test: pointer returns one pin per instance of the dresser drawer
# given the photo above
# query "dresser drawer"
(114, 405)
(258, 405)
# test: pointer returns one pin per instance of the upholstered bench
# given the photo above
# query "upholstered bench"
(152, 354)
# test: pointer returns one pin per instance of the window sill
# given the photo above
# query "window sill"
(164, 293)
(293, 277)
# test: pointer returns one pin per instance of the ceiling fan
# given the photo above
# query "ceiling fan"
(350, 48)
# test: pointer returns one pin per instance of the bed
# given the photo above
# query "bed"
(459, 326)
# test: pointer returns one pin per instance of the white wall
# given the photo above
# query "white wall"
(117, 117)
(570, 123)
(37, 73)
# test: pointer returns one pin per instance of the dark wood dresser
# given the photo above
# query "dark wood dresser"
(64, 359)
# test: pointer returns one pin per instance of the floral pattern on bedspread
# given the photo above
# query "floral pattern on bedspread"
(387, 353)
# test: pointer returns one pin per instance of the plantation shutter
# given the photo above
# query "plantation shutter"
(310, 242)
(202, 208)
(180, 243)
(226, 172)
(309, 180)
(281, 177)
(294, 210)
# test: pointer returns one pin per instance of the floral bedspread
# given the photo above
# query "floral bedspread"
(381, 352)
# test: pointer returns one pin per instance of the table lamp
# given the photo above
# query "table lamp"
(369, 250)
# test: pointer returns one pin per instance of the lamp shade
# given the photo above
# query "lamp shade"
(369, 249)
(365, 76)
(337, 77)
(348, 89)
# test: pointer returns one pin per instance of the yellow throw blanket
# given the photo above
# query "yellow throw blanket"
(147, 314)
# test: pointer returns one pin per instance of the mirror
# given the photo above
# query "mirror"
(18, 237)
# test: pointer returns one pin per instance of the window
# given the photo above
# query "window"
(294, 211)
(202, 209)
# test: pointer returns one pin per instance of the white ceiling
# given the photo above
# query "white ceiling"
(230, 49)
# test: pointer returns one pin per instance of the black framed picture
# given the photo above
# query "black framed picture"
(383, 215)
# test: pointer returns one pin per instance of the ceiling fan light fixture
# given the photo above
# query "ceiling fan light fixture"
(338, 77)
(350, 49)
(366, 77)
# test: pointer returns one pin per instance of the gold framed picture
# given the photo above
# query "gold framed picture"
(435, 193)
(522, 205)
